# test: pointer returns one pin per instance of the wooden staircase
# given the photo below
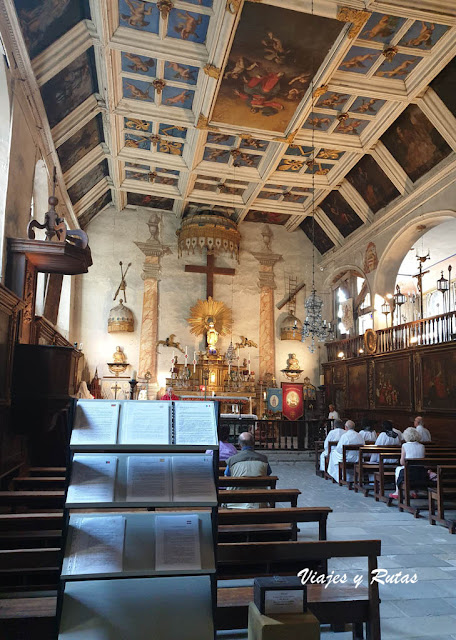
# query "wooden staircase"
(31, 520)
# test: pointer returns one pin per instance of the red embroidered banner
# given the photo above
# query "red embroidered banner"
(293, 404)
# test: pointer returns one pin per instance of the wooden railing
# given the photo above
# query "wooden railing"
(282, 435)
(429, 331)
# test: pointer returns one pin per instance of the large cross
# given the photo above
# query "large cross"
(210, 270)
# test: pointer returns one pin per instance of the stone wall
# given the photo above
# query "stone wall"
(112, 238)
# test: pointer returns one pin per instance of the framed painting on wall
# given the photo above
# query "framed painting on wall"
(438, 381)
(292, 400)
(356, 396)
(392, 383)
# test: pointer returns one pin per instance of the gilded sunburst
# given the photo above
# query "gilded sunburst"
(209, 308)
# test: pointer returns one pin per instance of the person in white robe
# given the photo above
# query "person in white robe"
(333, 436)
(333, 414)
(425, 434)
(399, 433)
(349, 437)
(411, 449)
(388, 436)
(367, 431)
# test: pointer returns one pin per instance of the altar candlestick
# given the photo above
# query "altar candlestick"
(249, 363)
(194, 361)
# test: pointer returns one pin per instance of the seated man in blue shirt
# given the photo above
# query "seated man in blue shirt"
(247, 462)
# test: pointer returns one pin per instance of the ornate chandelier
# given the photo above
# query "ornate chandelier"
(314, 326)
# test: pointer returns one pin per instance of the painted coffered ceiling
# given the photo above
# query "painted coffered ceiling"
(269, 109)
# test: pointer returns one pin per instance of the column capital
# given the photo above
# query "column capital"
(153, 248)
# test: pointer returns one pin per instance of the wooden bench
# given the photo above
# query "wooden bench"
(28, 617)
(441, 494)
(32, 499)
(385, 475)
(336, 604)
(318, 450)
(428, 462)
(30, 521)
(271, 496)
(20, 539)
(37, 483)
(269, 524)
(248, 481)
(47, 471)
(364, 466)
(26, 569)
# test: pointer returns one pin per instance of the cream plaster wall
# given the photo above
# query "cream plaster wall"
(112, 236)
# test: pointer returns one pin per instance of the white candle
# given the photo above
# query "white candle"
(185, 351)
(229, 368)
(194, 361)
(133, 375)
(249, 365)
(173, 356)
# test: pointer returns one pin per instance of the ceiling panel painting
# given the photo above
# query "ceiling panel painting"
(134, 165)
(150, 201)
(138, 90)
(381, 28)
(340, 213)
(137, 142)
(138, 125)
(46, 21)
(174, 131)
(174, 97)
(332, 100)
(187, 25)
(83, 141)
(177, 72)
(94, 208)
(315, 233)
(351, 126)
(399, 67)
(415, 143)
(423, 35)
(319, 121)
(269, 217)
(372, 183)
(220, 138)
(70, 87)
(330, 154)
(132, 63)
(139, 15)
(89, 180)
(359, 60)
(445, 86)
(367, 106)
(272, 59)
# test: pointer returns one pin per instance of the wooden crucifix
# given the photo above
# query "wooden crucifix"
(210, 270)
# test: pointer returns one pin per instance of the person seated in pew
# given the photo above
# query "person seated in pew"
(388, 436)
(226, 449)
(333, 436)
(367, 431)
(247, 462)
(425, 434)
(411, 449)
(400, 434)
(351, 436)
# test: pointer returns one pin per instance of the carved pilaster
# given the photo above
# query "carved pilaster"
(153, 249)
(266, 284)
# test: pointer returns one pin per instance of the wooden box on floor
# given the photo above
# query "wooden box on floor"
(287, 626)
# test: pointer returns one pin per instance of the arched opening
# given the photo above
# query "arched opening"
(429, 290)
(352, 302)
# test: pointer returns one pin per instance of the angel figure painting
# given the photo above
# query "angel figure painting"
(274, 54)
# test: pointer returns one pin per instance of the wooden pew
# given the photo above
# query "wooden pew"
(30, 521)
(364, 466)
(28, 617)
(438, 496)
(248, 481)
(331, 445)
(318, 450)
(337, 604)
(384, 474)
(26, 569)
(346, 465)
(37, 483)
(270, 496)
(429, 462)
(256, 524)
(32, 499)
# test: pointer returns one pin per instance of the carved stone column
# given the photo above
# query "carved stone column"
(266, 284)
(153, 249)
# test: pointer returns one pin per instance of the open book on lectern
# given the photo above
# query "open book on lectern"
(145, 422)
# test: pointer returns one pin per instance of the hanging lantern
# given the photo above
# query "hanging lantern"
(442, 284)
